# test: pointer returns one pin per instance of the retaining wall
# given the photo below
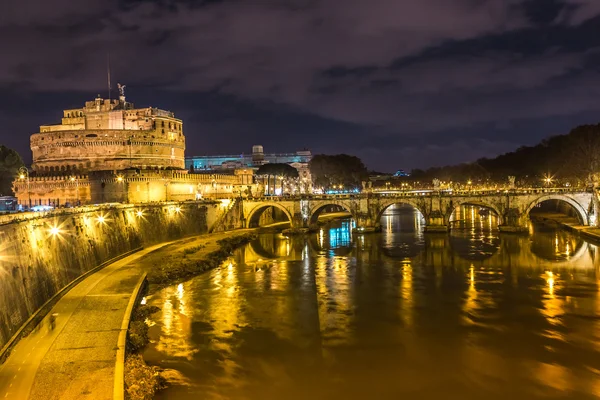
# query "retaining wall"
(41, 255)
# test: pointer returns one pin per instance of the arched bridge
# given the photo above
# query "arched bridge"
(511, 206)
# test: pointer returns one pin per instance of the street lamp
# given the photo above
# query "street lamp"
(74, 179)
(24, 174)
(548, 180)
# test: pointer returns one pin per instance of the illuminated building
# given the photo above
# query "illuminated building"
(110, 151)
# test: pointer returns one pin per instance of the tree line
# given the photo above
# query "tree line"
(574, 156)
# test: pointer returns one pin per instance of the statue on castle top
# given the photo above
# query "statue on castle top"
(121, 89)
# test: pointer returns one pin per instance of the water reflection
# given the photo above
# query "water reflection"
(470, 315)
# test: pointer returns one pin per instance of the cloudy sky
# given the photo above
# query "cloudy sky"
(400, 83)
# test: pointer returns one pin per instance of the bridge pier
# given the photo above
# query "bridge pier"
(435, 222)
(515, 221)
(365, 224)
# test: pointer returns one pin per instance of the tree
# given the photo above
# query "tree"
(277, 170)
(10, 162)
(342, 169)
(583, 153)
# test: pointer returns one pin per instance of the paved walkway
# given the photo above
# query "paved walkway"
(75, 359)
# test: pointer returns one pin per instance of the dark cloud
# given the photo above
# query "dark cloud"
(400, 83)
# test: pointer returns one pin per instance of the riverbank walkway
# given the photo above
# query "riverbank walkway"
(75, 359)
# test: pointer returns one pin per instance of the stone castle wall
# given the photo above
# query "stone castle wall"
(130, 186)
(78, 151)
(35, 264)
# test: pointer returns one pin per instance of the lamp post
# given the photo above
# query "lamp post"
(74, 179)
(24, 174)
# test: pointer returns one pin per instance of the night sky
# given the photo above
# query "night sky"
(400, 83)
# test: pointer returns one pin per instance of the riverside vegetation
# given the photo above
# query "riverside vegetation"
(179, 262)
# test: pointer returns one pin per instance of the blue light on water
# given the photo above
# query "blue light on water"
(342, 236)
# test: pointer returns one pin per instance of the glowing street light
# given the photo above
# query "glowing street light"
(547, 180)
(139, 213)
(101, 219)
(55, 230)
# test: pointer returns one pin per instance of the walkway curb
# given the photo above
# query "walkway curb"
(119, 387)
(35, 318)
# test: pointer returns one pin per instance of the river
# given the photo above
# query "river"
(400, 314)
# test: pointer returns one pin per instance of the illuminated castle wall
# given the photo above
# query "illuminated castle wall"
(110, 151)
(109, 135)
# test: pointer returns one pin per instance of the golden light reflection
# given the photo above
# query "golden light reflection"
(553, 305)
(333, 283)
(555, 376)
(471, 306)
(407, 294)
(550, 281)
(225, 311)
(176, 330)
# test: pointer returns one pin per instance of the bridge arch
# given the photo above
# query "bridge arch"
(480, 204)
(317, 208)
(257, 211)
(388, 204)
(580, 209)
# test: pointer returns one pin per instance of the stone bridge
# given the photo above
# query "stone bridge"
(511, 206)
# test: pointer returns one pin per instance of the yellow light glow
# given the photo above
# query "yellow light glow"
(119, 179)
(139, 213)
(550, 281)
(22, 176)
(72, 179)
(225, 202)
(101, 219)
(54, 230)
(177, 209)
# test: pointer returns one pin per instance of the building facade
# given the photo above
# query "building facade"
(299, 160)
(109, 135)
(110, 151)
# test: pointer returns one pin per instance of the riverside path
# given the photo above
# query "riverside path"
(76, 358)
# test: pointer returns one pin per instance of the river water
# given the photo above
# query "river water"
(399, 314)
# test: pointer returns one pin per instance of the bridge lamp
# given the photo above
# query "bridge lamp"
(139, 213)
(469, 182)
(101, 219)
(178, 209)
(54, 230)
(119, 179)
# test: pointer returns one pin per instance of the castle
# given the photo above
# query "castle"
(110, 151)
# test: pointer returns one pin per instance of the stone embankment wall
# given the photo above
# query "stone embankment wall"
(40, 255)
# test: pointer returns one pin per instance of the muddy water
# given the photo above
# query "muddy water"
(400, 314)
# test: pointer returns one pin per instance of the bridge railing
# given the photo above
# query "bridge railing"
(421, 193)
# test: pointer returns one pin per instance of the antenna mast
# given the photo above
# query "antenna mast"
(108, 72)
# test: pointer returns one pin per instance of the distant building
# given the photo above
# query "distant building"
(299, 160)
(401, 173)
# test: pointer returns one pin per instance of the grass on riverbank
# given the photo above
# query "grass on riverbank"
(141, 380)
(182, 264)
